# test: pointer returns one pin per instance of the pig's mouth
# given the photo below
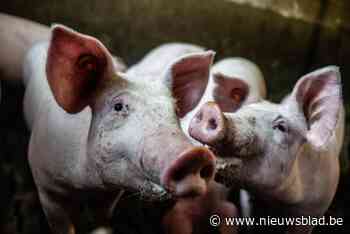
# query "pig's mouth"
(152, 192)
(147, 188)
(149, 192)
(244, 147)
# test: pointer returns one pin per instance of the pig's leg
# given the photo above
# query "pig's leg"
(60, 217)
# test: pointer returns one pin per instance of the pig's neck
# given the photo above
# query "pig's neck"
(319, 174)
(290, 191)
(284, 200)
(302, 192)
(65, 137)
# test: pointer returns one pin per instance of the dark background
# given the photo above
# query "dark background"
(285, 38)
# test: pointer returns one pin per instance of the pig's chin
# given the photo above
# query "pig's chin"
(228, 171)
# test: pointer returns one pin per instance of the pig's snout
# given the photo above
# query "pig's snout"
(190, 173)
(208, 125)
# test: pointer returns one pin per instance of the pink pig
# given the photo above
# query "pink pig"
(286, 154)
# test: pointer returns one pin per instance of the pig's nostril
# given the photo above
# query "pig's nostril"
(192, 167)
(212, 124)
(207, 172)
(179, 175)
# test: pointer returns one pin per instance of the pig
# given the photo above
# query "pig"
(286, 154)
(29, 31)
(96, 131)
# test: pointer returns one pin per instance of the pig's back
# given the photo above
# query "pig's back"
(156, 61)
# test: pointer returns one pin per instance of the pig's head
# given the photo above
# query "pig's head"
(259, 145)
(134, 140)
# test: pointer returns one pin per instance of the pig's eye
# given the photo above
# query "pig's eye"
(281, 126)
(118, 106)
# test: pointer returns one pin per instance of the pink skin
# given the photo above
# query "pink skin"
(279, 152)
(191, 215)
(96, 131)
(236, 82)
(22, 34)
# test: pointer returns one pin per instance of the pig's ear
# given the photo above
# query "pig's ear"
(318, 95)
(187, 78)
(229, 92)
(76, 65)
